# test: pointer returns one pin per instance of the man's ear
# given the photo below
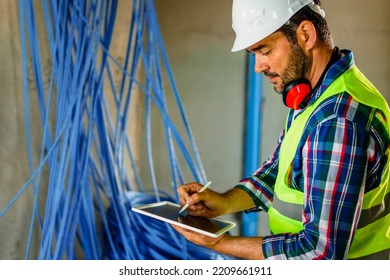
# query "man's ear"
(306, 35)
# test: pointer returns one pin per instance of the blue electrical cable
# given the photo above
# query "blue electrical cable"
(89, 193)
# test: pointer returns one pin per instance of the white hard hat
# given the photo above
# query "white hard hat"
(253, 20)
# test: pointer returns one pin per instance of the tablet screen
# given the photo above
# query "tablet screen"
(169, 212)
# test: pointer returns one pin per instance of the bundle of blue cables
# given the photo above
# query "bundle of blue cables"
(89, 194)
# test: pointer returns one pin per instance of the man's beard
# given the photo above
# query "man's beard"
(298, 66)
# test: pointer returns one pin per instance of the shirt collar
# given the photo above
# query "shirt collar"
(336, 70)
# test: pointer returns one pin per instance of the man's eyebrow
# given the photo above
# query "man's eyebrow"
(255, 49)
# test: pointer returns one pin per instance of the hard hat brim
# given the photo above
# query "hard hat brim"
(249, 39)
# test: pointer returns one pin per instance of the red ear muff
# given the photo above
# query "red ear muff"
(295, 93)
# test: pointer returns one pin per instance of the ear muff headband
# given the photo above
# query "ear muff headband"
(295, 93)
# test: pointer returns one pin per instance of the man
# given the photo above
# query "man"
(325, 187)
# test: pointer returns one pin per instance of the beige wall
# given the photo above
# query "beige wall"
(14, 169)
(364, 27)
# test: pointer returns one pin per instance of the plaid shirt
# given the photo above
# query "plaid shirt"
(340, 156)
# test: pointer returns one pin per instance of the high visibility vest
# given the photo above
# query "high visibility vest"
(372, 236)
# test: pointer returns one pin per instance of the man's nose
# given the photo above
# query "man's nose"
(260, 64)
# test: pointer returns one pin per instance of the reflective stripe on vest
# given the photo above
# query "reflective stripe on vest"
(372, 236)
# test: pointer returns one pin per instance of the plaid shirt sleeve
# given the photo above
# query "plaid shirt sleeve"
(260, 185)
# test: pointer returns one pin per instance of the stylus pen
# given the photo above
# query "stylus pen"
(201, 190)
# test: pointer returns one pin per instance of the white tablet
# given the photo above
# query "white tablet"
(169, 212)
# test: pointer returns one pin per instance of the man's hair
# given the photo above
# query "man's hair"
(306, 13)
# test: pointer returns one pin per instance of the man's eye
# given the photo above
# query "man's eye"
(265, 52)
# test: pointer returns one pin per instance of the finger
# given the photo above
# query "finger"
(200, 209)
(186, 190)
(189, 188)
(197, 197)
(179, 229)
(183, 194)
